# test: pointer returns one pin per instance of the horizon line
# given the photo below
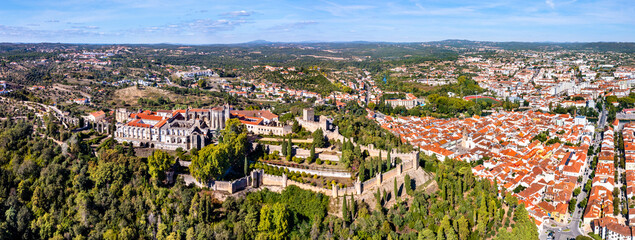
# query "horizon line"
(262, 42)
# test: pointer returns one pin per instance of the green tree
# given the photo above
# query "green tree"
(353, 208)
(426, 234)
(378, 199)
(274, 222)
(345, 159)
(281, 218)
(396, 188)
(345, 213)
(440, 235)
(289, 149)
(483, 217)
(235, 135)
(448, 230)
(312, 154)
(246, 166)
(318, 138)
(202, 83)
(379, 163)
(464, 230)
(158, 163)
(213, 160)
(580, 237)
(296, 128)
(407, 186)
(265, 225)
(127, 233)
(583, 203)
(284, 147)
(524, 229)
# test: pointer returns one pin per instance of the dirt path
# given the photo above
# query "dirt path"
(268, 139)
(35, 127)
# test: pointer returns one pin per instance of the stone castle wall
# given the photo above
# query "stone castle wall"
(258, 178)
(357, 189)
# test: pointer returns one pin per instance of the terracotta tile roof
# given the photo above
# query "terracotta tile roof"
(98, 113)
(137, 123)
(161, 123)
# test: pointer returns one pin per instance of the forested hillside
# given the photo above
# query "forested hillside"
(48, 191)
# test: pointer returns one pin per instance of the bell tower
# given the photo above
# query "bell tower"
(466, 140)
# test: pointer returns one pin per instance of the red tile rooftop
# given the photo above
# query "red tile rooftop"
(136, 123)
(98, 113)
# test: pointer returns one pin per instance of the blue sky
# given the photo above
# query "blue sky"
(227, 21)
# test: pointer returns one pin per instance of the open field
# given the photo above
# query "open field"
(131, 94)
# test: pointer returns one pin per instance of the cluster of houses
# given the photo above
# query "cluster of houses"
(554, 83)
(543, 174)
(607, 225)
(473, 138)
(277, 92)
(37, 87)
(366, 91)
(96, 58)
(81, 101)
(196, 72)
(600, 203)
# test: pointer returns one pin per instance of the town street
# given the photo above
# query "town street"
(574, 229)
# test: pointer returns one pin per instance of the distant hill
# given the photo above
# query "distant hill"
(373, 49)
(626, 47)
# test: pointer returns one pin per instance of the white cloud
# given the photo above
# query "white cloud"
(241, 13)
(550, 3)
(85, 27)
(193, 27)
